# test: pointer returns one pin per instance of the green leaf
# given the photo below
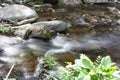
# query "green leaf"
(87, 63)
(84, 62)
(106, 62)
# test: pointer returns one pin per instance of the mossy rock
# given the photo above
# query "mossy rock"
(41, 32)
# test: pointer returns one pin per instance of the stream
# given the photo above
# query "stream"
(98, 39)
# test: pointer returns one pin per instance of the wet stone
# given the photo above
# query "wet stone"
(22, 14)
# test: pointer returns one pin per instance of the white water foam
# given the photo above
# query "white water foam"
(67, 44)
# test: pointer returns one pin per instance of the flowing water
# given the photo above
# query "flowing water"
(98, 40)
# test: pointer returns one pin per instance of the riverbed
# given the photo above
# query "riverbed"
(93, 31)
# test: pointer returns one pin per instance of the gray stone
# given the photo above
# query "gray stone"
(19, 14)
(21, 30)
(114, 11)
(56, 25)
(33, 31)
(71, 2)
(118, 21)
(39, 31)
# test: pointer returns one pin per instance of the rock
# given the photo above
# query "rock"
(118, 21)
(21, 30)
(45, 8)
(6, 1)
(38, 31)
(114, 11)
(56, 25)
(71, 2)
(77, 20)
(22, 14)
(33, 31)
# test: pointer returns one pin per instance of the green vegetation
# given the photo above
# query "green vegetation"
(85, 69)
(4, 30)
(50, 62)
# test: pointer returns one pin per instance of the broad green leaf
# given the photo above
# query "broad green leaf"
(106, 62)
(84, 62)
(87, 63)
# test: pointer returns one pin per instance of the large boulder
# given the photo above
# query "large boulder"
(40, 31)
(56, 25)
(33, 31)
(17, 14)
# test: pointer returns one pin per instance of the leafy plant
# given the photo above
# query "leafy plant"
(4, 29)
(85, 69)
(50, 62)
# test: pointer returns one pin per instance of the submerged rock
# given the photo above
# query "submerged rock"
(65, 57)
(17, 14)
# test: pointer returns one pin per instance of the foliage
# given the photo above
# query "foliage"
(85, 69)
(50, 62)
(4, 29)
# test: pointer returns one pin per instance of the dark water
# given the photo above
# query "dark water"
(94, 39)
